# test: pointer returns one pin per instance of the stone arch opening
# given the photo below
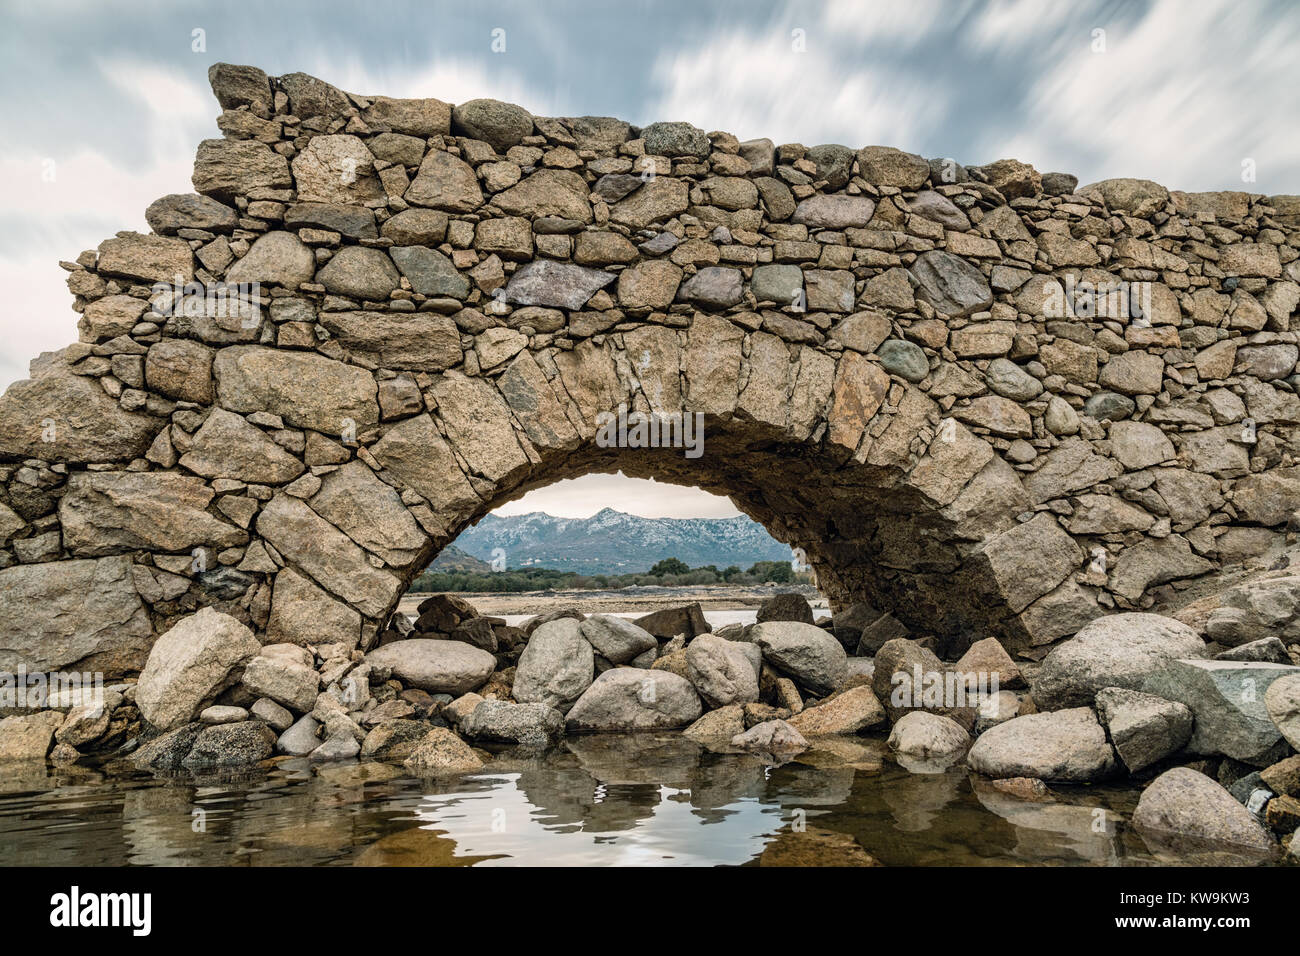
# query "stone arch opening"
(873, 534)
(377, 319)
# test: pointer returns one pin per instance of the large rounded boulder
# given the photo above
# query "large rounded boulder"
(1120, 650)
(630, 698)
(807, 653)
(439, 667)
(928, 737)
(721, 670)
(1066, 745)
(501, 124)
(556, 667)
(190, 664)
(616, 639)
(503, 721)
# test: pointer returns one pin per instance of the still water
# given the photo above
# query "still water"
(649, 799)
(603, 800)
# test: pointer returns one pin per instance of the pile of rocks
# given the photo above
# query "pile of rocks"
(1141, 694)
(1132, 694)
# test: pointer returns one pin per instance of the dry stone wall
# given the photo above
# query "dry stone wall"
(982, 400)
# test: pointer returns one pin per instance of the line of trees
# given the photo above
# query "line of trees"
(669, 572)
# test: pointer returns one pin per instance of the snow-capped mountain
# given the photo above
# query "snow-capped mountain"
(617, 543)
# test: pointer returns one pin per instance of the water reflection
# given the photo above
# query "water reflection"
(600, 800)
(1058, 830)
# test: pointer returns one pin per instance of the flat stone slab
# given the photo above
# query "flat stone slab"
(440, 667)
(1065, 745)
(1227, 698)
(555, 284)
(84, 612)
(1182, 807)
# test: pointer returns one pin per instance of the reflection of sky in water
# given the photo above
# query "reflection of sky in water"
(655, 800)
(503, 823)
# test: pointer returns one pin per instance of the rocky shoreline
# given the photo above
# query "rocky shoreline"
(1210, 729)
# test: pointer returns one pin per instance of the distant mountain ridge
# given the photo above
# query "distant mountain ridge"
(617, 543)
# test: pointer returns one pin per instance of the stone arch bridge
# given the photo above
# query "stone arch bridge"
(981, 400)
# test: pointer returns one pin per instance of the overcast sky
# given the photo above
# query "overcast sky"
(105, 103)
